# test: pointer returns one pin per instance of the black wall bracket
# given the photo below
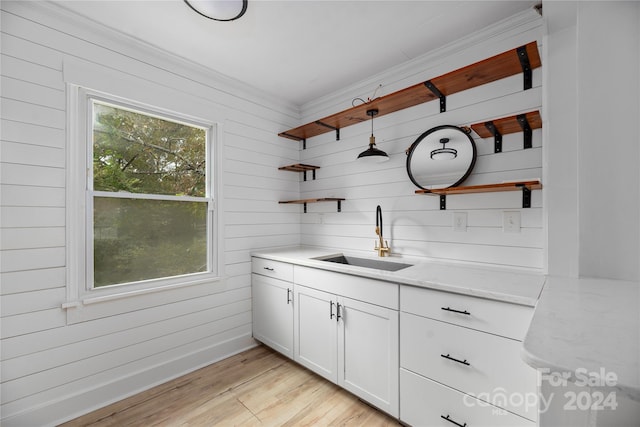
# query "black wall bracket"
(443, 202)
(313, 174)
(319, 123)
(526, 67)
(497, 136)
(436, 92)
(526, 129)
(339, 208)
(526, 196)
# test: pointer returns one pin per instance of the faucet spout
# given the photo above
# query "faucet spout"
(382, 247)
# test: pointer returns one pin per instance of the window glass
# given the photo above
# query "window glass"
(149, 187)
(139, 153)
(138, 240)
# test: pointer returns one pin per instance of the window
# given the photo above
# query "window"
(149, 203)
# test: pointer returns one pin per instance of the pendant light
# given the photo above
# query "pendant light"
(219, 10)
(372, 154)
(444, 153)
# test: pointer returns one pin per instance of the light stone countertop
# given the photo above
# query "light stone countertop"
(518, 287)
(588, 325)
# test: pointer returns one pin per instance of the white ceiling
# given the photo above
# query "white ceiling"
(299, 50)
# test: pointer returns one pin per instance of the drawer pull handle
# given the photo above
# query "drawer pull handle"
(464, 362)
(453, 422)
(330, 309)
(268, 268)
(338, 315)
(456, 311)
(288, 296)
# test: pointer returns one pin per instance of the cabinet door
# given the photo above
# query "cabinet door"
(315, 331)
(272, 301)
(368, 360)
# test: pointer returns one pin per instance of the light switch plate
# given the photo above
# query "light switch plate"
(511, 221)
(459, 221)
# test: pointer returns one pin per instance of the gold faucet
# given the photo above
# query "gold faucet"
(382, 246)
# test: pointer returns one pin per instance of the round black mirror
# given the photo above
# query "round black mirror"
(441, 157)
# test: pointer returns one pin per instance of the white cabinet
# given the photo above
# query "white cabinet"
(347, 340)
(315, 329)
(468, 368)
(368, 353)
(272, 304)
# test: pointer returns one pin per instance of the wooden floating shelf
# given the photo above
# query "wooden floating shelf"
(515, 61)
(519, 123)
(508, 125)
(524, 186)
(305, 201)
(300, 167)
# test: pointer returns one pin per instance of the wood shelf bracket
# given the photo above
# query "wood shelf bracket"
(497, 136)
(301, 167)
(526, 67)
(319, 123)
(524, 186)
(443, 99)
(526, 196)
(524, 123)
(306, 201)
(526, 129)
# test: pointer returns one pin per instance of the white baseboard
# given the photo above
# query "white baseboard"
(73, 406)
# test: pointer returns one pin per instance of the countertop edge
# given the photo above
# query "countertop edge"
(394, 277)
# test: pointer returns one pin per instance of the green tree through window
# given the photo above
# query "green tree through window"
(149, 195)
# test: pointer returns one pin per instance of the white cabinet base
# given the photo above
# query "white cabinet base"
(368, 343)
(272, 303)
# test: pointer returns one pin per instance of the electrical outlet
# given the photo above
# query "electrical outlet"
(459, 221)
(511, 221)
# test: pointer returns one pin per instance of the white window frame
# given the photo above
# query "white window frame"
(80, 202)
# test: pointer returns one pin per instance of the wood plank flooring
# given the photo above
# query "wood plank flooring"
(258, 387)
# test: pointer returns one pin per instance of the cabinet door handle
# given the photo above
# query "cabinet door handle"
(452, 422)
(268, 268)
(464, 362)
(330, 309)
(456, 311)
(338, 315)
(288, 296)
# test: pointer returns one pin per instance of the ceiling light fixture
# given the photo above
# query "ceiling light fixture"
(219, 10)
(444, 153)
(372, 154)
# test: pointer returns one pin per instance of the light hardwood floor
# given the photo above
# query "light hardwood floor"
(258, 387)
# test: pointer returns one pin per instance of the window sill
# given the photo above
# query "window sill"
(128, 294)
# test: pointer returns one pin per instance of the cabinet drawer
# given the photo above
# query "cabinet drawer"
(500, 318)
(425, 403)
(480, 364)
(276, 269)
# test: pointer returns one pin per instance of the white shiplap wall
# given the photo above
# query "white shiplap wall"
(53, 369)
(413, 224)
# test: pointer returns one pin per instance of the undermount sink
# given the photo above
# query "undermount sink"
(366, 262)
